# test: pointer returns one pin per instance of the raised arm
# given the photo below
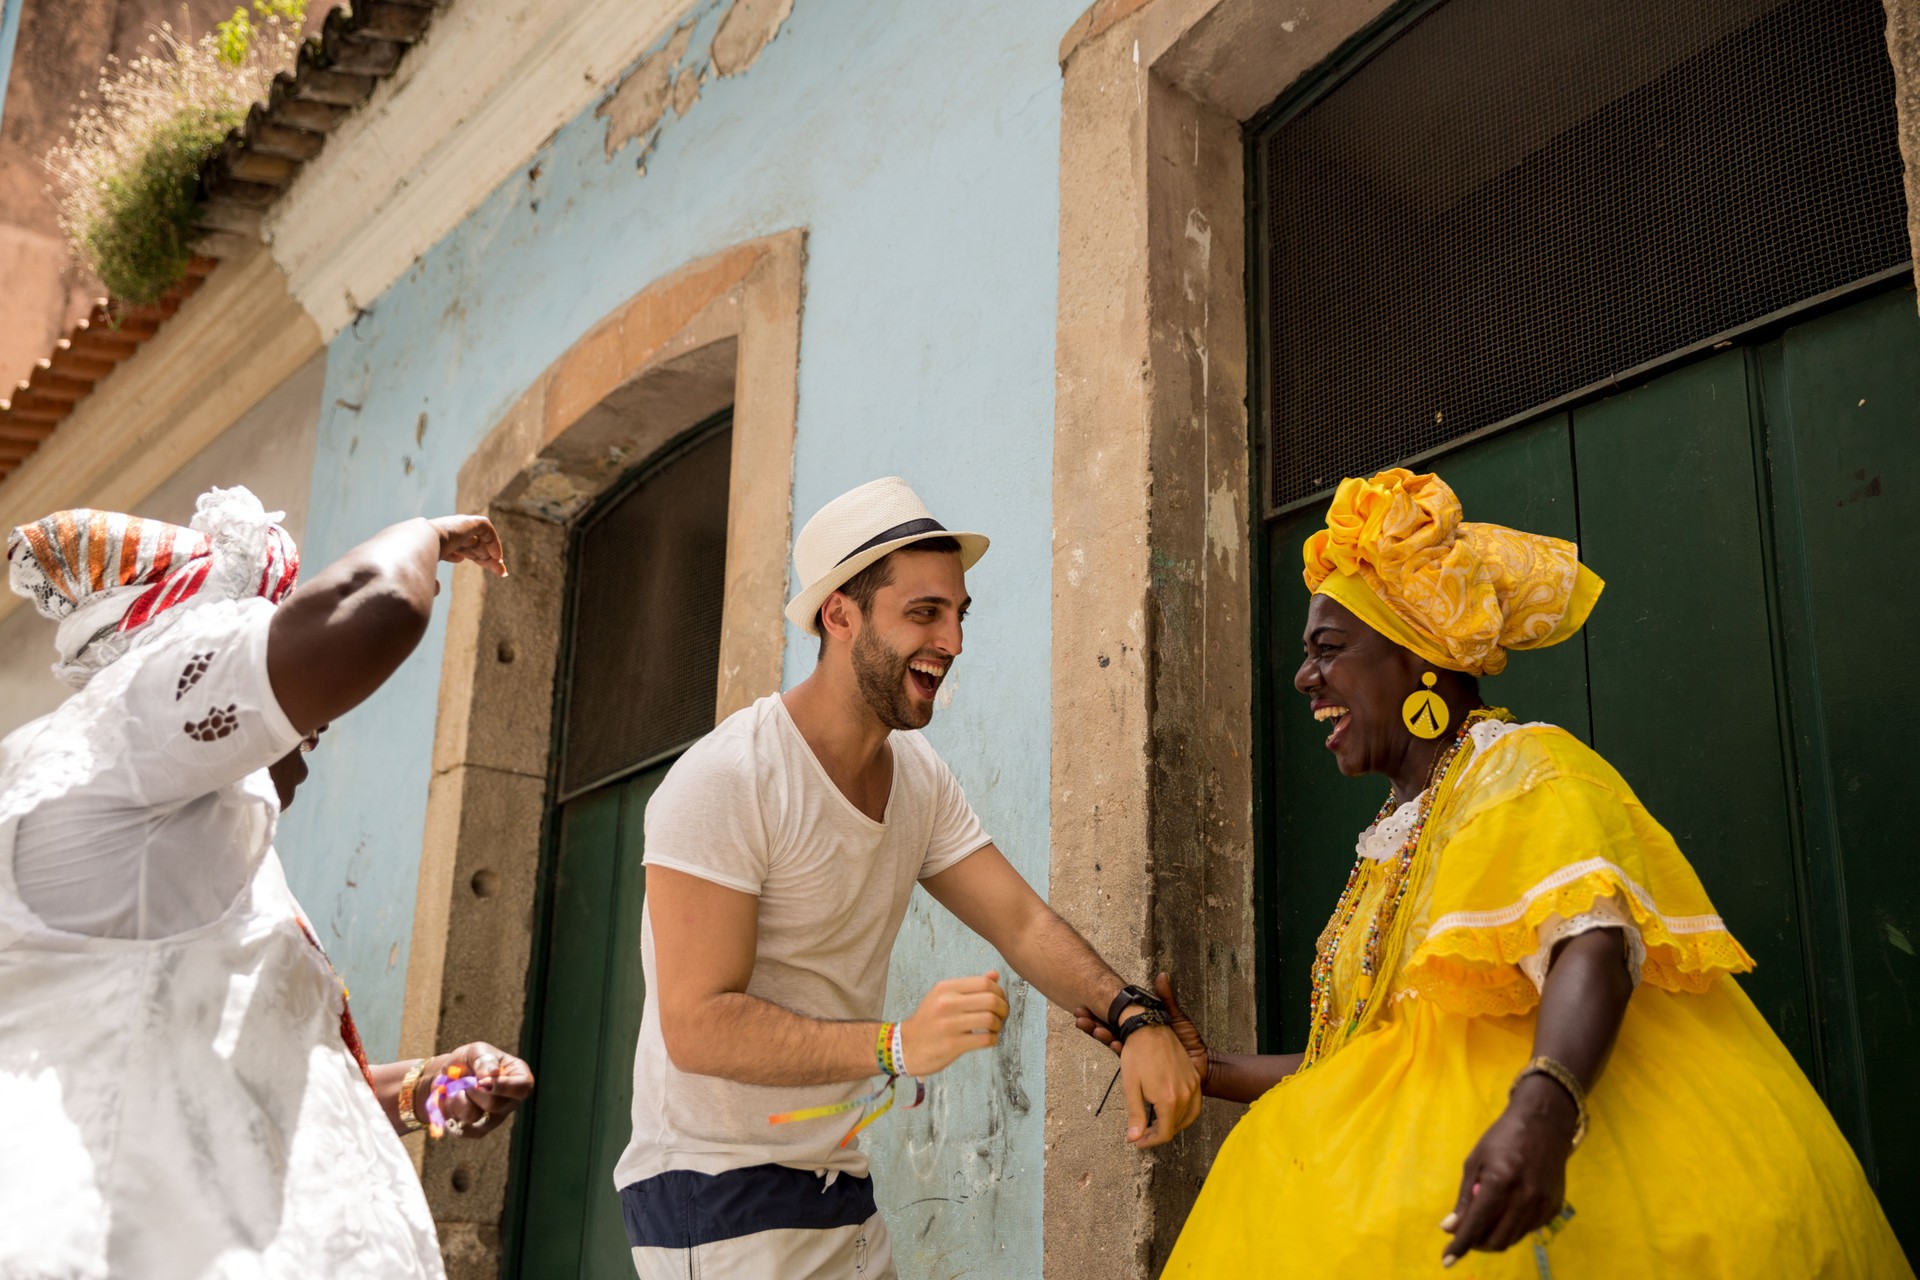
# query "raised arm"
(703, 951)
(342, 633)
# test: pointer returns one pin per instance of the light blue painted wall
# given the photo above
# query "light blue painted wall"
(918, 145)
(10, 11)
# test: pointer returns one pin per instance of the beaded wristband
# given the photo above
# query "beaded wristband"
(899, 1044)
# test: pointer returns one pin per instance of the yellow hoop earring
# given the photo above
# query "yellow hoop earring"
(1425, 712)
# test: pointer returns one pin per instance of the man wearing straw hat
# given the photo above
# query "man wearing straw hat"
(781, 851)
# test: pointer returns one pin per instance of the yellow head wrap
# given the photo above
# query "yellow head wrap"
(1397, 554)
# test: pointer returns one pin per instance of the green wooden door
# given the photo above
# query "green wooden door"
(590, 1004)
(1751, 670)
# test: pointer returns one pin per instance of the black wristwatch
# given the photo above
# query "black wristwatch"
(1131, 994)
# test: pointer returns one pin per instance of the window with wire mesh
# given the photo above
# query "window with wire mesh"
(1516, 200)
(649, 576)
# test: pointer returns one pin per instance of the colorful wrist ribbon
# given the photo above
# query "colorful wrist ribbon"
(897, 1045)
(886, 1091)
(889, 1051)
(1544, 1237)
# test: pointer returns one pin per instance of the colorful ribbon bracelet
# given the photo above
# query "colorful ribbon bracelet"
(886, 1091)
(1544, 1237)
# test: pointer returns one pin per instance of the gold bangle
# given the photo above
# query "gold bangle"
(1559, 1074)
(408, 1083)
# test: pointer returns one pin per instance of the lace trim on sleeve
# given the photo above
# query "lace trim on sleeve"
(1605, 913)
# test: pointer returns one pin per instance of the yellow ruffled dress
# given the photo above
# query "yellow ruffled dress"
(1708, 1154)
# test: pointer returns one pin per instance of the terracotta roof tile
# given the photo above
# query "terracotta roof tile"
(336, 71)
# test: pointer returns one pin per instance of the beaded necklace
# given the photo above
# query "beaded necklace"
(1322, 1017)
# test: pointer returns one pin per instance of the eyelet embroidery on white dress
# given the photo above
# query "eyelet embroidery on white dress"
(196, 667)
(219, 722)
(1388, 836)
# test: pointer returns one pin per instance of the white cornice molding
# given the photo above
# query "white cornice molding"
(493, 80)
(240, 336)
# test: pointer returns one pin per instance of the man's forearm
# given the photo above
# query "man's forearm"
(740, 1037)
(1062, 965)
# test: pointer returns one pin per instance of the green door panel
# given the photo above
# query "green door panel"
(605, 1245)
(1843, 403)
(1314, 813)
(1685, 702)
(558, 1185)
(590, 1003)
(1524, 480)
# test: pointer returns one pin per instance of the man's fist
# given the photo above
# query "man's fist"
(958, 1016)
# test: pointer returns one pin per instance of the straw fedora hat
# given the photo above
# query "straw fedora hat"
(856, 529)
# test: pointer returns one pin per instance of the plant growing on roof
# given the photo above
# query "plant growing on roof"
(128, 173)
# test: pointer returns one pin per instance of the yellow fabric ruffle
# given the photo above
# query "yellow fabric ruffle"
(1397, 553)
(1543, 826)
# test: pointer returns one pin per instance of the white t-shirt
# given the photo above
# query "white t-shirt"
(751, 808)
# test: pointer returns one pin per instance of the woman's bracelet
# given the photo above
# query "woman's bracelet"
(1560, 1075)
(408, 1083)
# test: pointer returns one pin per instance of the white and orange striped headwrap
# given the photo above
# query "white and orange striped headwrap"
(104, 576)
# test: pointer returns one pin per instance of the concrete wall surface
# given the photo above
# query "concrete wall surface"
(918, 147)
(269, 449)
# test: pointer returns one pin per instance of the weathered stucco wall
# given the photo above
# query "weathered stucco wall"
(919, 153)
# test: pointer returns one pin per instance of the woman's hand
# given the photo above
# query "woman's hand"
(470, 538)
(505, 1082)
(1515, 1179)
(1182, 1027)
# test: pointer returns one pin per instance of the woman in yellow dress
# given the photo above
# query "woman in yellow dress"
(1515, 923)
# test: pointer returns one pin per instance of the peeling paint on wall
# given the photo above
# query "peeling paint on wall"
(637, 108)
(749, 27)
(641, 99)
(1224, 528)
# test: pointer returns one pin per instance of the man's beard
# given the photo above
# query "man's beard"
(882, 677)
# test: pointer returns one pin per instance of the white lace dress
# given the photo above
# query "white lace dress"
(178, 1099)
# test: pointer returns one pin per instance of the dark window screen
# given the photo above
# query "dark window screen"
(649, 576)
(1515, 200)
